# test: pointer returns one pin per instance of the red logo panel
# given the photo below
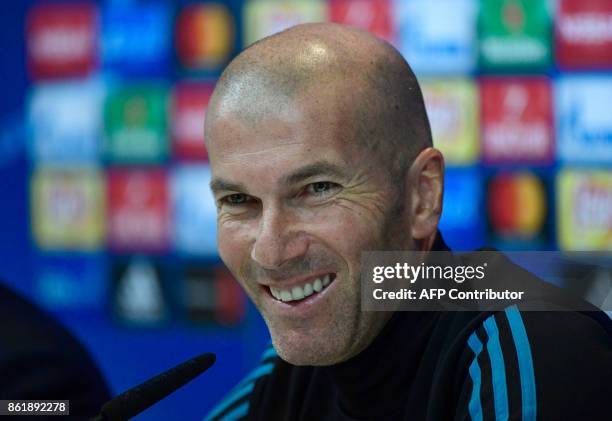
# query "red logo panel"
(188, 111)
(61, 40)
(584, 33)
(373, 16)
(516, 121)
(139, 210)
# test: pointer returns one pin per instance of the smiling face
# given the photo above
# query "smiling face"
(320, 149)
(299, 199)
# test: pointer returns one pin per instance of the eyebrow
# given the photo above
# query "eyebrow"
(315, 169)
(220, 184)
(311, 170)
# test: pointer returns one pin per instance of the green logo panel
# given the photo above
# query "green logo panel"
(515, 35)
(135, 125)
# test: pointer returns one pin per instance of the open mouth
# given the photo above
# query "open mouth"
(301, 292)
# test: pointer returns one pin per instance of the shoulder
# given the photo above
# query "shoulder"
(545, 364)
(39, 358)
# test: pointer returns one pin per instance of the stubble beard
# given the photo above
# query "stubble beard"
(349, 330)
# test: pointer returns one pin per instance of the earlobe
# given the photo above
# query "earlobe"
(426, 184)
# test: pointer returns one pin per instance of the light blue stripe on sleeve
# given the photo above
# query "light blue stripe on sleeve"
(237, 413)
(270, 352)
(498, 370)
(525, 363)
(235, 395)
(243, 388)
(262, 370)
(475, 406)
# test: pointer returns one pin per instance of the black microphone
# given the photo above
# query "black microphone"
(137, 399)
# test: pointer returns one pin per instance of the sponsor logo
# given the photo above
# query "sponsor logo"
(211, 294)
(135, 125)
(189, 106)
(139, 297)
(452, 107)
(265, 17)
(517, 205)
(437, 36)
(584, 33)
(67, 208)
(75, 282)
(371, 16)
(584, 123)
(515, 33)
(585, 210)
(61, 40)
(205, 36)
(65, 121)
(139, 210)
(129, 45)
(517, 121)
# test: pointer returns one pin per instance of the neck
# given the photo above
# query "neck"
(375, 381)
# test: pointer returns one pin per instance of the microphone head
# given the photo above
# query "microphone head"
(137, 399)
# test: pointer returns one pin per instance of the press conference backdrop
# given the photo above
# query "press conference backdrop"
(106, 214)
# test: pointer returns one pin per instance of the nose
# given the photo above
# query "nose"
(278, 241)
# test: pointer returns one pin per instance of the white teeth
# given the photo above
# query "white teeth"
(308, 290)
(326, 280)
(299, 293)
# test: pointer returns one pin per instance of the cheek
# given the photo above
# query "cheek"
(343, 228)
(233, 244)
(346, 232)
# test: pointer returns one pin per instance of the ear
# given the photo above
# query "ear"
(426, 186)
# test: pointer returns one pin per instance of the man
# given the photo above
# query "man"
(320, 148)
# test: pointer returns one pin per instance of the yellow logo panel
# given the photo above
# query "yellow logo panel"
(67, 209)
(266, 17)
(452, 107)
(584, 210)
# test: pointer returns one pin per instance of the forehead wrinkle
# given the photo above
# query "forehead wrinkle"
(336, 138)
(315, 169)
(249, 154)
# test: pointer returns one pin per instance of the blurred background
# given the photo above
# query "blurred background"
(106, 217)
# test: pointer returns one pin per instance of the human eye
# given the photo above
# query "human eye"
(322, 188)
(235, 199)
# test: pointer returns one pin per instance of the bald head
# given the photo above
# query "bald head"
(365, 78)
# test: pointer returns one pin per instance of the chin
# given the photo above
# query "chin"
(298, 357)
(305, 351)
